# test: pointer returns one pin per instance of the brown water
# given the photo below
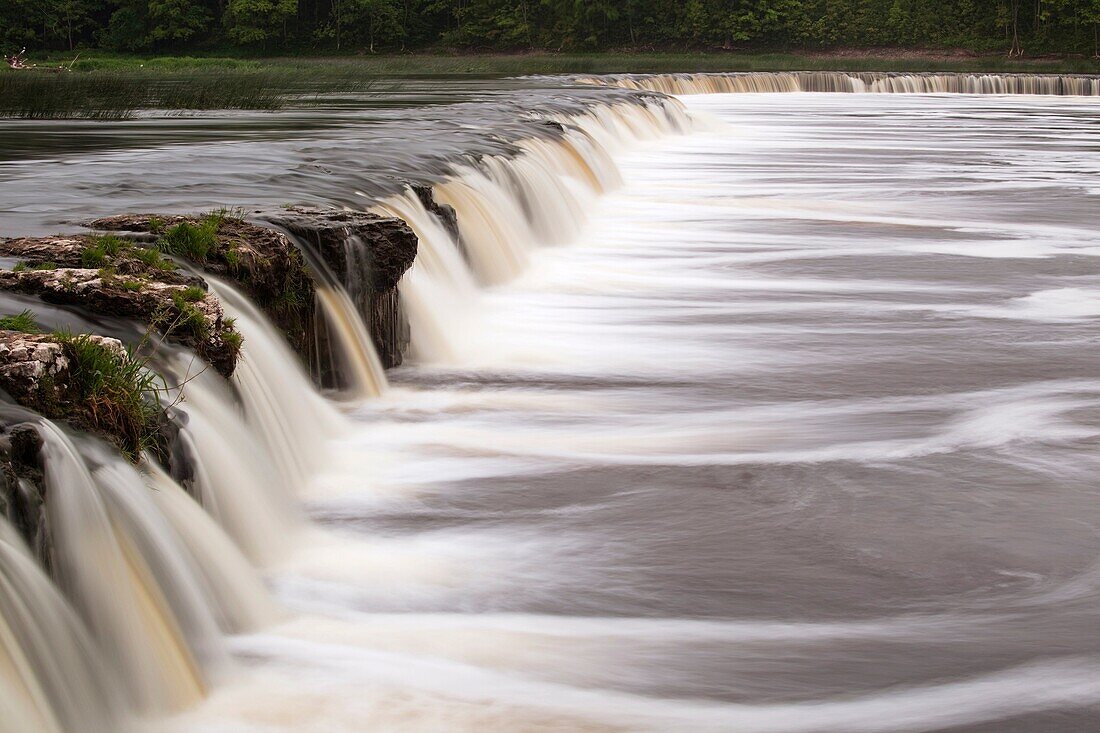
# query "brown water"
(787, 423)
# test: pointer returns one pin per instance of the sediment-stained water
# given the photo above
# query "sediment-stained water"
(798, 433)
(771, 413)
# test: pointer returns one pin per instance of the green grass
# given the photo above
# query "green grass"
(189, 319)
(609, 62)
(116, 88)
(192, 241)
(103, 86)
(234, 341)
(193, 294)
(152, 258)
(119, 395)
(23, 321)
(96, 253)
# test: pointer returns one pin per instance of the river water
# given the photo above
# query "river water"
(793, 431)
(799, 434)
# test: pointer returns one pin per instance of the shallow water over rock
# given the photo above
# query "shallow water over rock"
(773, 414)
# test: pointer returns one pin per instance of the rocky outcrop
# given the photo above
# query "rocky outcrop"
(22, 485)
(36, 371)
(444, 212)
(116, 278)
(92, 382)
(366, 254)
(259, 260)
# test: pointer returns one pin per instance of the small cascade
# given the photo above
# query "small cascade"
(281, 407)
(236, 477)
(129, 576)
(439, 285)
(858, 83)
(236, 594)
(509, 206)
(357, 328)
(353, 350)
(52, 678)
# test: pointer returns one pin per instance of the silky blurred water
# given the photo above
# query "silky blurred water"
(799, 434)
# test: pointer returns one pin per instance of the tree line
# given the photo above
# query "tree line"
(302, 26)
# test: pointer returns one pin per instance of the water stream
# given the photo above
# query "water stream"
(738, 412)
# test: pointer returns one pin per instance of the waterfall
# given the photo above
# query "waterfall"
(281, 407)
(860, 83)
(51, 681)
(438, 287)
(358, 361)
(128, 574)
(506, 208)
(236, 477)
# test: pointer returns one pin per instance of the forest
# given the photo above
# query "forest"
(1012, 27)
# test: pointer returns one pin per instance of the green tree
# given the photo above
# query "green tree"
(258, 22)
(175, 21)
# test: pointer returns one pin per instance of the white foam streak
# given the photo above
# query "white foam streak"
(856, 83)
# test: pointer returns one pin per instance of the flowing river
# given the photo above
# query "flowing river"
(751, 413)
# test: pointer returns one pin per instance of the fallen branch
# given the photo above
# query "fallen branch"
(18, 60)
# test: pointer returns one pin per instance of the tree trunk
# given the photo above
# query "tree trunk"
(1016, 50)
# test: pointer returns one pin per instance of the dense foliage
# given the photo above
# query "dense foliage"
(1011, 26)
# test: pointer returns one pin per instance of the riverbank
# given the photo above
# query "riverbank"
(854, 59)
(102, 86)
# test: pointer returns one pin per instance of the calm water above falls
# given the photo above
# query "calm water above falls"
(800, 434)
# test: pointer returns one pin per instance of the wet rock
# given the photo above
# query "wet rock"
(385, 249)
(176, 311)
(367, 254)
(22, 486)
(444, 212)
(259, 260)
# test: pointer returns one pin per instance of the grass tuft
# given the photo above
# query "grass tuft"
(193, 294)
(118, 393)
(153, 258)
(22, 321)
(190, 319)
(234, 341)
(192, 241)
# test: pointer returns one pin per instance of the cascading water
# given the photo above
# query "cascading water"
(506, 208)
(52, 679)
(860, 83)
(129, 576)
(152, 574)
(561, 549)
(281, 406)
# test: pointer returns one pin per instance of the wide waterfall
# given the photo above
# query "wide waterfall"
(506, 209)
(755, 413)
(865, 82)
